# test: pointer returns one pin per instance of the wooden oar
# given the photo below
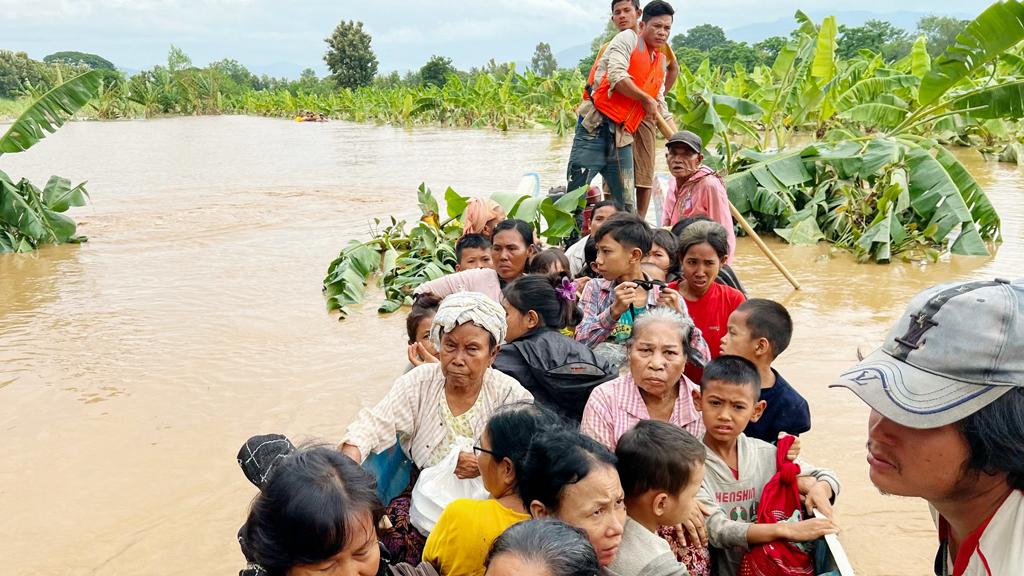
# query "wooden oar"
(667, 131)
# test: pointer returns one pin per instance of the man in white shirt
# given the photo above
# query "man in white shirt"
(947, 421)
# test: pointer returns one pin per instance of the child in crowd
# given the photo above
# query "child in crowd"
(759, 330)
(549, 261)
(738, 467)
(611, 303)
(664, 247)
(473, 251)
(661, 467)
(417, 327)
(589, 270)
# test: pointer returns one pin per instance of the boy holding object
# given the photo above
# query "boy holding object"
(738, 467)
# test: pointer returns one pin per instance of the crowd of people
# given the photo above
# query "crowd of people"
(616, 408)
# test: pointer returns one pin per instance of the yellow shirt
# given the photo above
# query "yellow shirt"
(464, 533)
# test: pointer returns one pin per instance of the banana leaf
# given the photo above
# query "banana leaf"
(50, 112)
(920, 60)
(1002, 101)
(993, 32)
(823, 69)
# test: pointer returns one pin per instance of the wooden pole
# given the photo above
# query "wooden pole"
(667, 131)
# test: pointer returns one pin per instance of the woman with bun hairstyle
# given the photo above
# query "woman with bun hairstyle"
(559, 371)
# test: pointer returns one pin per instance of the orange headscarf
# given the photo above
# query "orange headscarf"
(480, 211)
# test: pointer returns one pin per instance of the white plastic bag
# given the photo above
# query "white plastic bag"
(438, 485)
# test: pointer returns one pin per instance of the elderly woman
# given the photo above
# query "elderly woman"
(653, 389)
(433, 404)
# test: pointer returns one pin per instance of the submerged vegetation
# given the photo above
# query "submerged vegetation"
(404, 260)
(832, 133)
(29, 216)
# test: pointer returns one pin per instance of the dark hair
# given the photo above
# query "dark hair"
(556, 459)
(627, 229)
(670, 243)
(604, 203)
(656, 455)
(734, 370)
(471, 241)
(635, 3)
(425, 306)
(521, 226)
(657, 8)
(545, 258)
(537, 292)
(684, 223)
(513, 427)
(564, 550)
(993, 436)
(589, 257)
(702, 232)
(769, 320)
(307, 511)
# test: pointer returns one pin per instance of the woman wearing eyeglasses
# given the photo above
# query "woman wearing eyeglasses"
(459, 543)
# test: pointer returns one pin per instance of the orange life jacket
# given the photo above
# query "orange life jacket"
(647, 73)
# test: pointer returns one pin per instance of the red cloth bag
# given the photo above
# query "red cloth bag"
(779, 499)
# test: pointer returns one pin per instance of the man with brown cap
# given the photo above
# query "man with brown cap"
(946, 392)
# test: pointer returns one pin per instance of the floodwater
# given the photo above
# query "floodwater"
(134, 366)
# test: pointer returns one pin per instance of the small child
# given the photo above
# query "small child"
(760, 330)
(473, 251)
(548, 261)
(663, 254)
(661, 467)
(728, 400)
(417, 327)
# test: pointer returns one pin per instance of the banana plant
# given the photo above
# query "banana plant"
(29, 216)
(402, 260)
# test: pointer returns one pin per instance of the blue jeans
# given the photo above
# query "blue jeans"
(596, 153)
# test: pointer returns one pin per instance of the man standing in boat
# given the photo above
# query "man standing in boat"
(946, 392)
(624, 88)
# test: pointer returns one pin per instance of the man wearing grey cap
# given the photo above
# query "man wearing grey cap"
(695, 188)
(946, 392)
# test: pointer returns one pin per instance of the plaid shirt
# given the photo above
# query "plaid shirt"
(598, 322)
(616, 406)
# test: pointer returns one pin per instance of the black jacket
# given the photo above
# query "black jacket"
(559, 371)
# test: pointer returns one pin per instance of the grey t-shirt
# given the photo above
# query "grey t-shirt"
(644, 553)
(733, 501)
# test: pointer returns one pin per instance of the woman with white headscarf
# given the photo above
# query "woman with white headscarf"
(432, 405)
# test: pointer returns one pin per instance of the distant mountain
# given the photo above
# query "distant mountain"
(782, 27)
(571, 56)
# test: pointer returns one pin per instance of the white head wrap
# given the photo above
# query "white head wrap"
(462, 307)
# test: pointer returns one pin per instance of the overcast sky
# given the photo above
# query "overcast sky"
(135, 34)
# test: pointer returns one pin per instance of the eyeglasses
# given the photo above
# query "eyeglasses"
(479, 449)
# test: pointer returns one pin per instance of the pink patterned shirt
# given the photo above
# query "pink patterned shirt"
(616, 406)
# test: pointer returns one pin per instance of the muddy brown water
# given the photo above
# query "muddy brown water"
(134, 366)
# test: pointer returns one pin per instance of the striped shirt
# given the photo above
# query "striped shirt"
(416, 410)
(616, 406)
